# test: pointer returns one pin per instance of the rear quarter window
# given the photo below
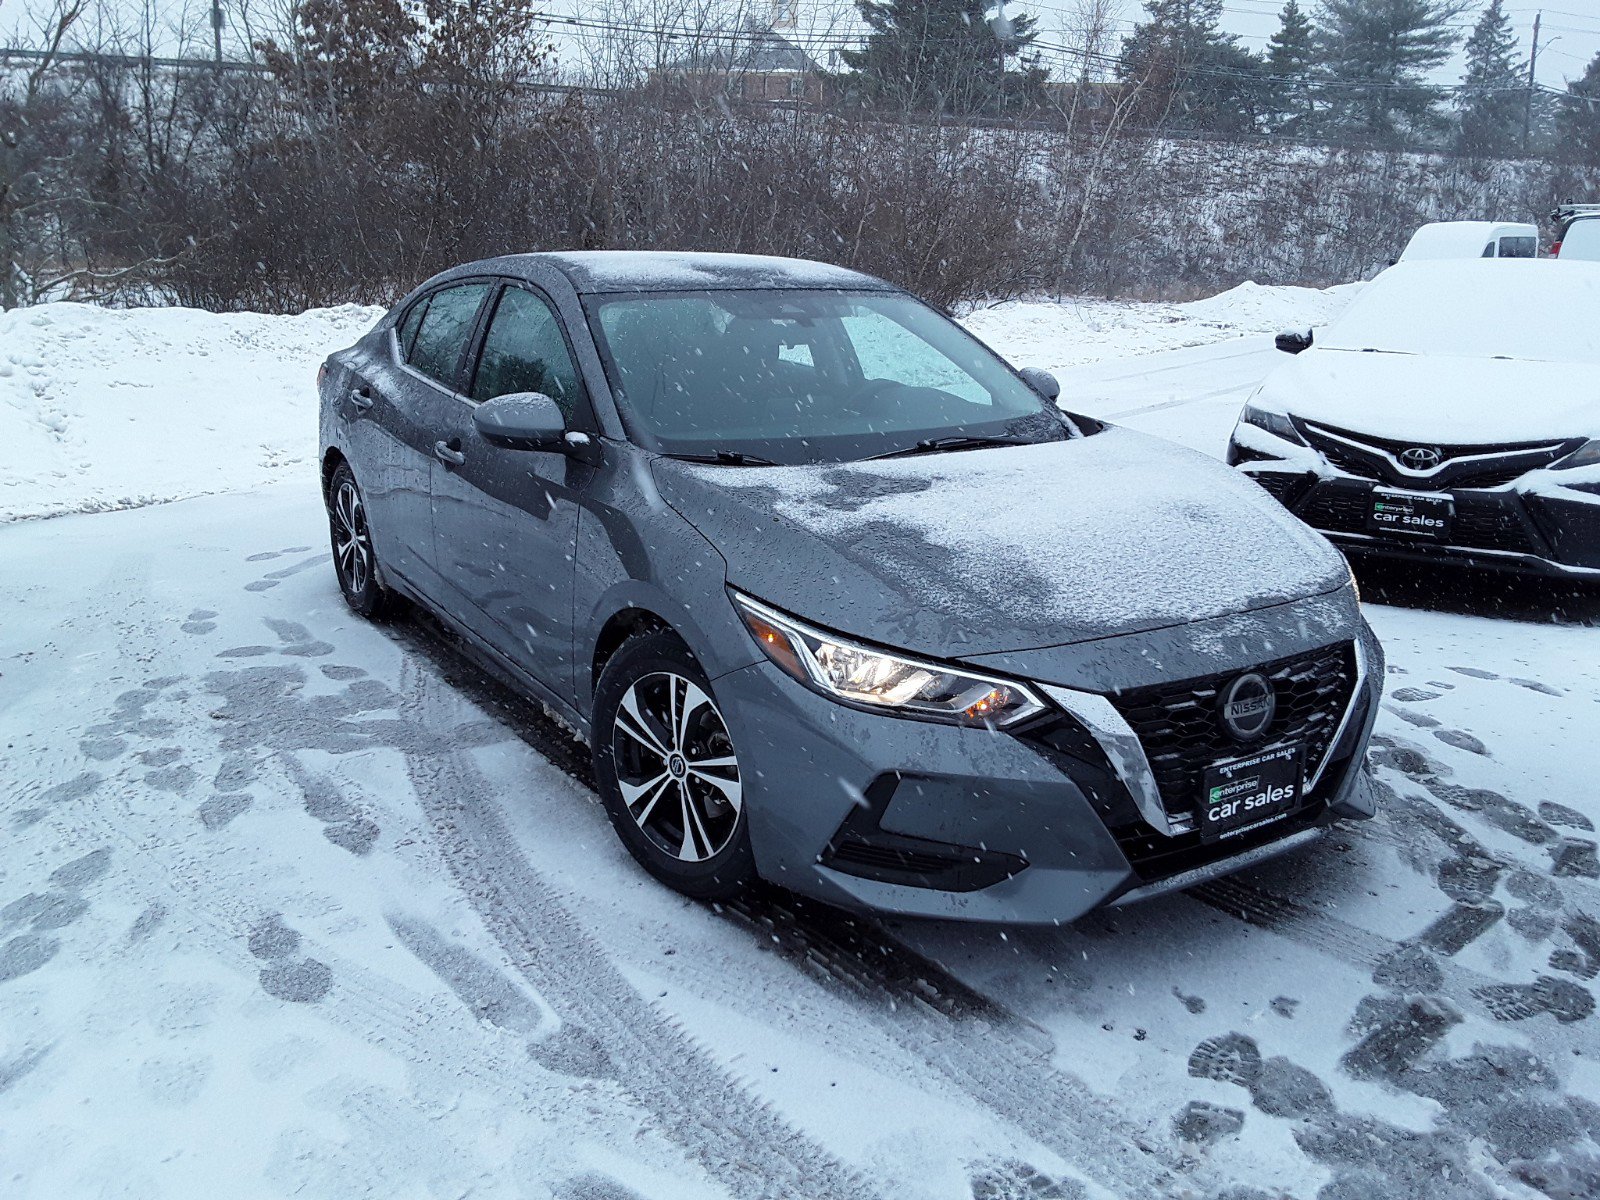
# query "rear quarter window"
(443, 332)
(406, 332)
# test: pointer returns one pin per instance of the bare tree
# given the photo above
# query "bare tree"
(25, 156)
(1093, 28)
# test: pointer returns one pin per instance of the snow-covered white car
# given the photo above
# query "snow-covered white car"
(1577, 231)
(1451, 412)
(1472, 239)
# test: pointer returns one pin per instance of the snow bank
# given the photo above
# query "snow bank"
(1056, 334)
(1260, 308)
(104, 408)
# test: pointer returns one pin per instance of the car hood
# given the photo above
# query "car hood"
(986, 551)
(1437, 398)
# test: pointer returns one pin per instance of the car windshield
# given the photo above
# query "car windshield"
(795, 376)
(1532, 309)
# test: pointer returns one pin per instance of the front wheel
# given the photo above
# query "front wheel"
(668, 772)
(354, 560)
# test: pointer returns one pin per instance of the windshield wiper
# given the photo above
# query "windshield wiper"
(727, 458)
(957, 442)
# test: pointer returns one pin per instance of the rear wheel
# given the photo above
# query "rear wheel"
(354, 560)
(668, 772)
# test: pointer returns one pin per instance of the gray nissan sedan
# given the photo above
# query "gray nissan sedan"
(840, 599)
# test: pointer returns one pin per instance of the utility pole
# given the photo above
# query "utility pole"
(1527, 108)
(1003, 31)
(216, 29)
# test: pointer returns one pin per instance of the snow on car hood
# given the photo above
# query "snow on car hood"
(1439, 399)
(992, 550)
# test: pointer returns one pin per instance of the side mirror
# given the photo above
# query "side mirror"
(1293, 341)
(521, 421)
(1046, 384)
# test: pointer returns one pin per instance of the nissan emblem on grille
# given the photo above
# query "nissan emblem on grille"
(1421, 458)
(1248, 705)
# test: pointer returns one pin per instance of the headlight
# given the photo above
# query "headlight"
(875, 679)
(1275, 423)
(1586, 455)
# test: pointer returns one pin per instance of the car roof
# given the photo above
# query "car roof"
(1450, 239)
(664, 271)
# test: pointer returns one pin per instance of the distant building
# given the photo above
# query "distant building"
(760, 65)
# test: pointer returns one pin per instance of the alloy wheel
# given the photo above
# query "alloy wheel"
(676, 767)
(352, 541)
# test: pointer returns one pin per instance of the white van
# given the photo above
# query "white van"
(1473, 239)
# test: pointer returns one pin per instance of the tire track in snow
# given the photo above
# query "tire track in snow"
(995, 1058)
(732, 1135)
(989, 1054)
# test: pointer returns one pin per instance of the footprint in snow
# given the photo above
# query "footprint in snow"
(1533, 685)
(1412, 695)
(199, 621)
(1461, 741)
(1575, 858)
(1230, 1058)
(286, 975)
(1022, 1181)
(1561, 998)
(1560, 814)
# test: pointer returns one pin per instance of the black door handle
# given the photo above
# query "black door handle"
(361, 398)
(446, 453)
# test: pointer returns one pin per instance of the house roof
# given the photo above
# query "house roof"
(761, 50)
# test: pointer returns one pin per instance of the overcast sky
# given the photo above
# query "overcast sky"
(1570, 35)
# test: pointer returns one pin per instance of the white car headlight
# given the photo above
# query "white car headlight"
(1276, 423)
(875, 679)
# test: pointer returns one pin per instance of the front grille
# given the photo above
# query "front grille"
(1510, 461)
(1337, 510)
(1286, 487)
(1491, 527)
(890, 858)
(1181, 728)
(1350, 461)
(1489, 477)
(1481, 522)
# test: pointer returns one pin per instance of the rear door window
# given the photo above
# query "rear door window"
(443, 332)
(1519, 247)
(524, 351)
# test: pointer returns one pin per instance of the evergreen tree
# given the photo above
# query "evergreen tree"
(1376, 56)
(1493, 98)
(942, 56)
(1291, 55)
(1189, 72)
(1578, 119)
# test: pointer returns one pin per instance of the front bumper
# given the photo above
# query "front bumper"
(1551, 532)
(1037, 826)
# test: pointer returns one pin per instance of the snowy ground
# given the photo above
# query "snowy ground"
(291, 905)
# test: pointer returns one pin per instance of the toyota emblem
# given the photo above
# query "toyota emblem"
(1247, 706)
(1421, 458)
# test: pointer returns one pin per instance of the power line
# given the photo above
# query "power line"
(706, 36)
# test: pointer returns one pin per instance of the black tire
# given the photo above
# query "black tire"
(690, 830)
(355, 562)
